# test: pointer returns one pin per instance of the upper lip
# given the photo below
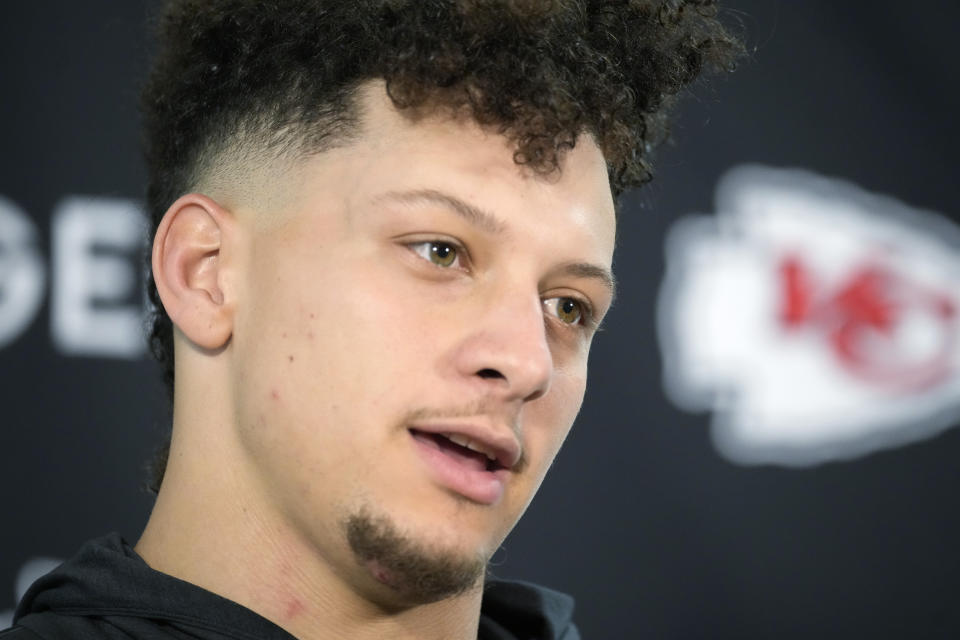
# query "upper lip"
(498, 443)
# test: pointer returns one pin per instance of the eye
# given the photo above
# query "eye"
(443, 254)
(568, 310)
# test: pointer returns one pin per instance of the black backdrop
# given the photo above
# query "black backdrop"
(654, 532)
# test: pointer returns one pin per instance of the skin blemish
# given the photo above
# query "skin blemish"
(310, 334)
(275, 394)
(380, 573)
(293, 608)
(290, 358)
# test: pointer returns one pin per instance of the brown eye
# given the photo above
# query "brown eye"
(442, 254)
(439, 252)
(567, 310)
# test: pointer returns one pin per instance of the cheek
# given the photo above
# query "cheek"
(328, 340)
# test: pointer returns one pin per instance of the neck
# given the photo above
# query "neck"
(211, 526)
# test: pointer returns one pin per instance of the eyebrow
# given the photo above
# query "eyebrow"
(488, 222)
(474, 215)
(593, 272)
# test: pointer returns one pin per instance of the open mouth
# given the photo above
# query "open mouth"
(462, 455)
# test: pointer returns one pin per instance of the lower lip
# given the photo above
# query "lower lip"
(484, 487)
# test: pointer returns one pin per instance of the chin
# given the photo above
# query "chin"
(413, 570)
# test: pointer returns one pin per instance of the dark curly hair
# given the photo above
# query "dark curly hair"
(278, 77)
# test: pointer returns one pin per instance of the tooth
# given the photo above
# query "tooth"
(463, 441)
(478, 450)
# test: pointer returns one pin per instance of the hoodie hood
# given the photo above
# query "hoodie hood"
(514, 610)
(108, 591)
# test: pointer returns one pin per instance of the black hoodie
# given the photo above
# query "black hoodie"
(108, 591)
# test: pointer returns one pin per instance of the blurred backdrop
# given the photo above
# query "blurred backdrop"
(767, 446)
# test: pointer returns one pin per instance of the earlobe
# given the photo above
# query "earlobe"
(189, 269)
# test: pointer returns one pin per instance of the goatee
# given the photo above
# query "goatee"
(417, 572)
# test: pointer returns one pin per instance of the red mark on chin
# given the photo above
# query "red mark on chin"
(380, 573)
(275, 394)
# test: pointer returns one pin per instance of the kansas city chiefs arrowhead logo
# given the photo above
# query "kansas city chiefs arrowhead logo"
(815, 320)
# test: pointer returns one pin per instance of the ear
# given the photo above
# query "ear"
(189, 269)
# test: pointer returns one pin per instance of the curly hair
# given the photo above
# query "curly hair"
(278, 77)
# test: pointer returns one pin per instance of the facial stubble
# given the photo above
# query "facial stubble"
(417, 572)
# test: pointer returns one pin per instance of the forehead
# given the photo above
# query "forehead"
(396, 151)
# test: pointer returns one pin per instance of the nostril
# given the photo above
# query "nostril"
(491, 373)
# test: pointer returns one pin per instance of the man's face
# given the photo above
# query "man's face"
(415, 290)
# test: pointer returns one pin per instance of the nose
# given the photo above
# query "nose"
(506, 350)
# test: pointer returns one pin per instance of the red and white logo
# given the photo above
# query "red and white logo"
(817, 321)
